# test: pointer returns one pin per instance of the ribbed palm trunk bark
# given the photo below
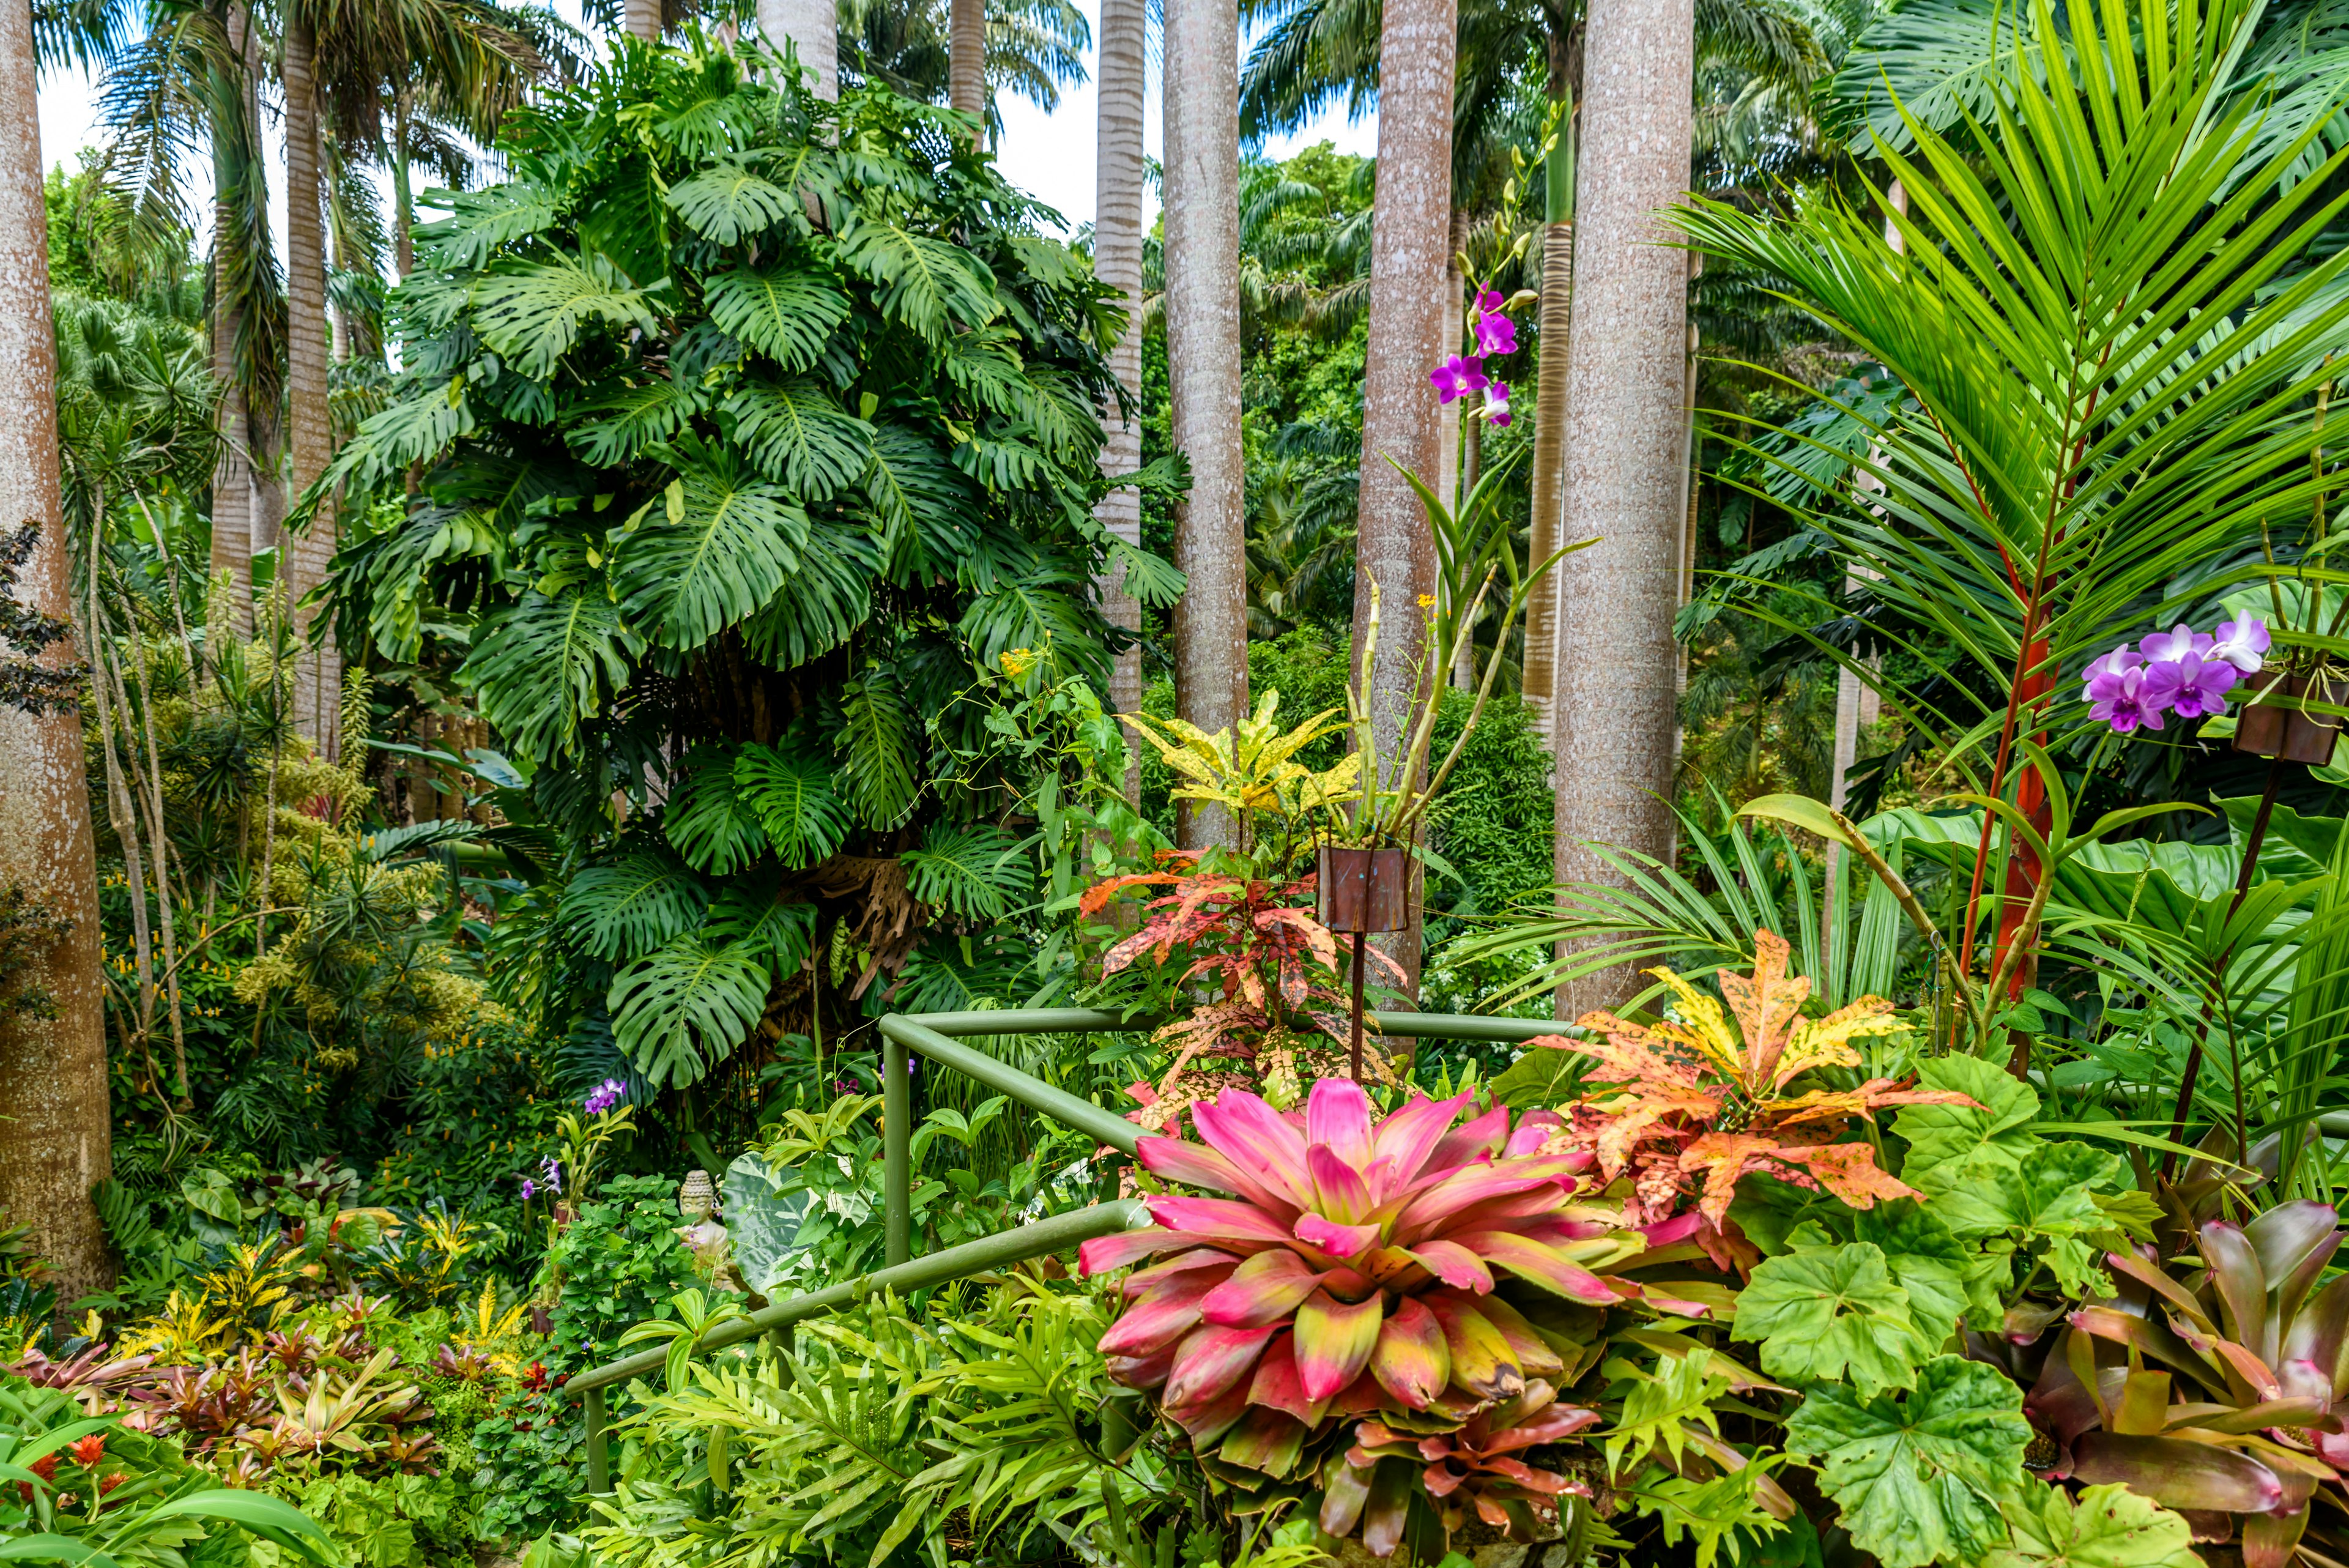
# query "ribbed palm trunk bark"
(642, 19)
(1548, 479)
(1202, 355)
(1626, 435)
(309, 427)
(233, 477)
(814, 26)
(967, 56)
(1401, 419)
(59, 1136)
(1117, 262)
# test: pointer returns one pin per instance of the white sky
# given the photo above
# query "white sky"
(1048, 155)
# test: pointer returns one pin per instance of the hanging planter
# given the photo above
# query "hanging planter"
(1365, 890)
(2276, 723)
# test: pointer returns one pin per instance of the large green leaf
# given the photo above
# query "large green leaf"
(800, 436)
(272, 1517)
(797, 802)
(1925, 1478)
(2107, 1526)
(929, 284)
(928, 508)
(755, 916)
(2051, 1199)
(709, 553)
(679, 1012)
(708, 819)
(550, 663)
(785, 311)
(876, 742)
(625, 910)
(532, 313)
(631, 419)
(1832, 1313)
(482, 222)
(729, 200)
(825, 600)
(1949, 1145)
(1926, 1259)
(977, 873)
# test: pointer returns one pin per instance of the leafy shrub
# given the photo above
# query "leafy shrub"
(619, 1261)
(530, 1475)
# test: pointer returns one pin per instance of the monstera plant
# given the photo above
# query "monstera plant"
(1349, 1275)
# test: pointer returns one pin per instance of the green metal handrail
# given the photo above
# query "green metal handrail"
(932, 1034)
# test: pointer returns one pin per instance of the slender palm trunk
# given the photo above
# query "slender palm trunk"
(1202, 355)
(1409, 251)
(642, 19)
(403, 198)
(812, 26)
(1626, 435)
(1548, 487)
(1117, 262)
(53, 1087)
(231, 508)
(967, 56)
(309, 430)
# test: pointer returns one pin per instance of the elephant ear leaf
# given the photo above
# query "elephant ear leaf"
(1924, 1478)
(679, 1012)
(802, 814)
(1832, 1313)
(707, 820)
(625, 910)
(2107, 1526)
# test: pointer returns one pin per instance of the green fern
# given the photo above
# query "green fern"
(876, 742)
(785, 312)
(978, 873)
(707, 820)
(803, 817)
(623, 911)
(679, 1012)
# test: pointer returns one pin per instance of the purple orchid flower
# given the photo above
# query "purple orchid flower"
(605, 1096)
(1495, 410)
(1489, 300)
(2175, 643)
(529, 1190)
(2191, 686)
(551, 1169)
(1495, 335)
(2241, 643)
(1457, 375)
(2119, 698)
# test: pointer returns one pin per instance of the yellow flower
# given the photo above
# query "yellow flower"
(1427, 601)
(1016, 662)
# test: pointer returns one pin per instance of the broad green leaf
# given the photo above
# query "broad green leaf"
(728, 200)
(482, 222)
(679, 1012)
(634, 419)
(1152, 579)
(1832, 1314)
(2050, 1199)
(1541, 1077)
(625, 910)
(929, 284)
(786, 311)
(927, 508)
(1925, 1258)
(876, 744)
(532, 313)
(753, 917)
(978, 872)
(210, 1193)
(798, 436)
(271, 1518)
(1951, 1144)
(2107, 1527)
(797, 802)
(687, 572)
(708, 819)
(825, 600)
(550, 663)
(1926, 1477)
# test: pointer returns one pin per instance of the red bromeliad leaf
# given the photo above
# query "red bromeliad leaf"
(1196, 1165)
(1454, 1265)
(1103, 1253)
(1164, 1313)
(1411, 1360)
(1277, 1383)
(1142, 1280)
(1266, 1289)
(1217, 1218)
(1210, 1361)
(1267, 1440)
(1338, 1240)
(1334, 1340)
(1544, 1266)
(1482, 1360)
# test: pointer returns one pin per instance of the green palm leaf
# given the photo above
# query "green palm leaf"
(786, 311)
(797, 804)
(708, 553)
(679, 1012)
(798, 436)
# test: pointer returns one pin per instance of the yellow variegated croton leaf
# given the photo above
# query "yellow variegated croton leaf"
(1702, 1104)
(1252, 767)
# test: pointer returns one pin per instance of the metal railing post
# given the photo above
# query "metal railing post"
(896, 1153)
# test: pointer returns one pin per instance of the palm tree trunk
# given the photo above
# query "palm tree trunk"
(309, 431)
(231, 508)
(814, 26)
(403, 198)
(1410, 228)
(1117, 262)
(53, 1088)
(1203, 356)
(1625, 441)
(1540, 672)
(642, 19)
(967, 56)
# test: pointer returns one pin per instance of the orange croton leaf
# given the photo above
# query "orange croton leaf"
(1849, 1171)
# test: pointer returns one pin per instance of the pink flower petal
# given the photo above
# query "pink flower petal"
(1195, 1165)
(1338, 1240)
(1264, 1289)
(1337, 1116)
(1544, 1266)
(1103, 1253)
(1217, 1217)
(1405, 1140)
(1210, 1362)
(1334, 1340)
(1410, 1360)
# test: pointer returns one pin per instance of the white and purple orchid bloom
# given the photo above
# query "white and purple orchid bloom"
(2181, 671)
(1457, 377)
(1350, 1266)
(550, 1170)
(605, 1096)
(1495, 410)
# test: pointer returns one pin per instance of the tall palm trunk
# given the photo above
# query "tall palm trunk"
(1549, 413)
(1203, 357)
(309, 429)
(233, 477)
(1117, 262)
(1411, 294)
(967, 56)
(403, 198)
(813, 26)
(53, 1087)
(1626, 438)
(642, 19)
